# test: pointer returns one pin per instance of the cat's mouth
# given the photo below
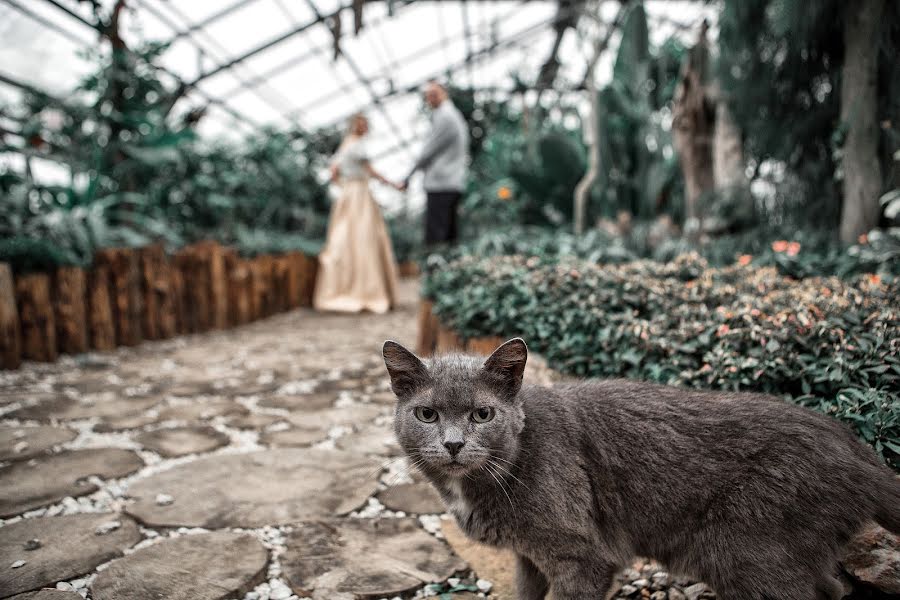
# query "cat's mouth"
(455, 467)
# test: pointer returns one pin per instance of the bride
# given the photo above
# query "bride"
(356, 266)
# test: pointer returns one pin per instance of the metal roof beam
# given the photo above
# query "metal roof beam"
(421, 52)
(267, 45)
(202, 48)
(210, 19)
(376, 100)
(295, 61)
(239, 117)
(477, 56)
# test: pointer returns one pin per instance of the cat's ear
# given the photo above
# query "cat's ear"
(505, 367)
(407, 372)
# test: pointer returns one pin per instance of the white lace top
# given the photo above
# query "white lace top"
(352, 161)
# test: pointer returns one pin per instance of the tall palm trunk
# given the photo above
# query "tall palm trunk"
(859, 97)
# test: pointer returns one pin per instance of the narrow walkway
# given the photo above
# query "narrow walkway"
(217, 466)
(244, 464)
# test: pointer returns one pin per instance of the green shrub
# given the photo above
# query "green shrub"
(827, 343)
(806, 253)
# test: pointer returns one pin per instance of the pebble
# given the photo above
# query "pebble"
(66, 587)
(693, 592)
(484, 585)
(32, 544)
(675, 594)
(278, 590)
(627, 590)
(164, 499)
(107, 527)
(640, 583)
(658, 596)
(17, 564)
(453, 581)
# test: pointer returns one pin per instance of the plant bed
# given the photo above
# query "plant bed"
(830, 344)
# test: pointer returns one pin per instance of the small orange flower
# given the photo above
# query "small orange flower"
(793, 249)
(780, 246)
(744, 259)
(504, 193)
(863, 239)
(723, 329)
(875, 279)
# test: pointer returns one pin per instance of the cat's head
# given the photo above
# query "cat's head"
(457, 413)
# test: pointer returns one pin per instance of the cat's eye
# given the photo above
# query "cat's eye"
(483, 415)
(425, 414)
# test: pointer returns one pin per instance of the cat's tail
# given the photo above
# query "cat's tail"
(887, 512)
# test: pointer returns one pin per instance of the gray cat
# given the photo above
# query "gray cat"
(753, 495)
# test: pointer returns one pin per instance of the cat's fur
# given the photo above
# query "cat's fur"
(753, 495)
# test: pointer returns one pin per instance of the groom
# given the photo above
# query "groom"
(443, 160)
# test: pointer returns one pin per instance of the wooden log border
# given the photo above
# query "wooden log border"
(436, 338)
(132, 294)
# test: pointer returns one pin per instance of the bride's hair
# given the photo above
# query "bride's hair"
(350, 132)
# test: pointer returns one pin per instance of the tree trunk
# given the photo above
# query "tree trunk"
(448, 341)
(428, 329)
(158, 307)
(484, 345)
(152, 259)
(125, 292)
(193, 262)
(259, 277)
(295, 264)
(240, 289)
(179, 300)
(71, 316)
(693, 119)
(36, 317)
(218, 284)
(10, 333)
(859, 99)
(281, 283)
(100, 312)
(586, 184)
(308, 279)
(728, 150)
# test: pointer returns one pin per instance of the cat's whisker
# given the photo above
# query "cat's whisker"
(406, 471)
(507, 471)
(488, 468)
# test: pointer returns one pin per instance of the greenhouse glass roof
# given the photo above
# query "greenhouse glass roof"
(263, 63)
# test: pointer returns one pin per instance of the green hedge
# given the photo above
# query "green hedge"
(827, 343)
(805, 253)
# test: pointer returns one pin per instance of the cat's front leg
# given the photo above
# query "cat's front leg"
(530, 582)
(581, 579)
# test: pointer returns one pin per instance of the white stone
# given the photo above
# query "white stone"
(484, 585)
(17, 564)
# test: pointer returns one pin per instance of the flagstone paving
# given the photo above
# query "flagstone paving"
(257, 463)
(245, 463)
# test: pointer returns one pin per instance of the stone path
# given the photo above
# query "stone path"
(256, 463)
(250, 463)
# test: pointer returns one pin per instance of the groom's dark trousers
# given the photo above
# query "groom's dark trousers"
(440, 217)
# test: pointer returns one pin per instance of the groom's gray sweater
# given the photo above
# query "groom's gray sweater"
(446, 151)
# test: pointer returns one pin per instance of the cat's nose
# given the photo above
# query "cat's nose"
(453, 447)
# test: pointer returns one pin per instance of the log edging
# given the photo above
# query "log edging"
(132, 294)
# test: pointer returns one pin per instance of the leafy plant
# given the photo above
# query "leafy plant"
(831, 344)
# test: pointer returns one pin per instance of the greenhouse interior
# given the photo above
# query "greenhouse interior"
(389, 300)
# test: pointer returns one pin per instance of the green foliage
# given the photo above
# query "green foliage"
(639, 170)
(406, 235)
(547, 182)
(139, 174)
(804, 253)
(830, 344)
(780, 63)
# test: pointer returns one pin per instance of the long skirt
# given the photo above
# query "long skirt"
(357, 270)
